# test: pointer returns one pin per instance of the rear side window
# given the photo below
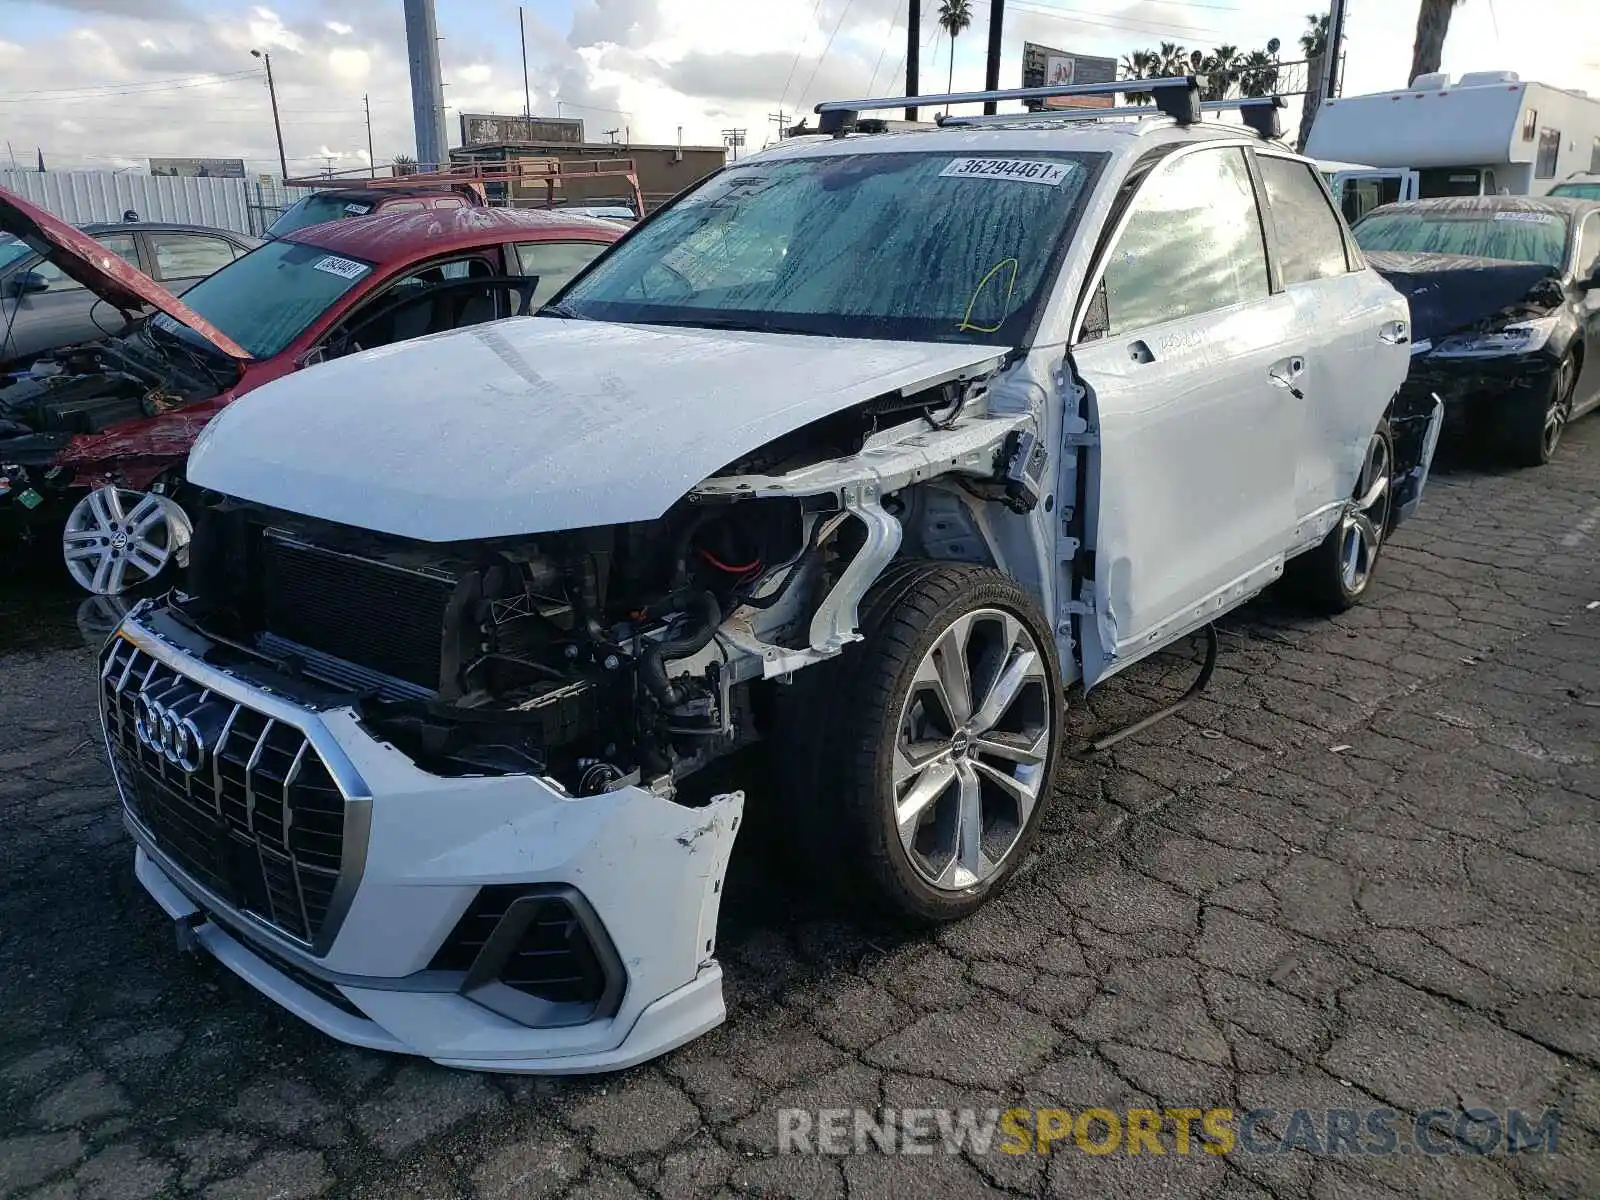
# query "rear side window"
(1192, 244)
(1587, 262)
(189, 256)
(554, 263)
(1310, 242)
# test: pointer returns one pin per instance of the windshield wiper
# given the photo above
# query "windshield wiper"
(562, 311)
(734, 324)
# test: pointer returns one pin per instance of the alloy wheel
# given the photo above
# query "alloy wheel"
(116, 539)
(971, 748)
(1560, 411)
(1366, 517)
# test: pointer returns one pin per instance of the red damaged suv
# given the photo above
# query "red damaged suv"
(93, 438)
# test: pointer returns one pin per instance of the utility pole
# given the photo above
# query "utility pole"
(782, 119)
(372, 163)
(913, 44)
(991, 73)
(427, 85)
(611, 135)
(733, 139)
(527, 101)
(277, 127)
(1331, 52)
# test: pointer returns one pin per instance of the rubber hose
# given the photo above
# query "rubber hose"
(653, 661)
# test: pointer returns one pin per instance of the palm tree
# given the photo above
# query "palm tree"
(1221, 69)
(1258, 74)
(1314, 41)
(1141, 64)
(404, 164)
(1173, 60)
(954, 16)
(1433, 22)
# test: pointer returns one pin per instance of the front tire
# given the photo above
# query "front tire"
(1534, 424)
(1335, 576)
(927, 761)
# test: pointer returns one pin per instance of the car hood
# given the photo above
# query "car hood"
(537, 423)
(1449, 292)
(108, 276)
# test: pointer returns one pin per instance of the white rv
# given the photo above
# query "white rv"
(1487, 133)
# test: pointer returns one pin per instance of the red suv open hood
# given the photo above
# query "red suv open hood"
(108, 276)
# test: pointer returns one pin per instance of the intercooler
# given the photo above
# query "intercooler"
(386, 618)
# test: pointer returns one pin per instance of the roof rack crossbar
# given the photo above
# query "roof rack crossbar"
(1177, 96)
(1260, 113)
(1049, 114)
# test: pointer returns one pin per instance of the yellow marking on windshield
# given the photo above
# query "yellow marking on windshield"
(966, 325)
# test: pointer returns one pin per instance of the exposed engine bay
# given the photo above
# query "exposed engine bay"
(88, 388)
(604, 656)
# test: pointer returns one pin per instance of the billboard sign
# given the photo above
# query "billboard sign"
(486, 129)
(1045, 66)
(199, 168)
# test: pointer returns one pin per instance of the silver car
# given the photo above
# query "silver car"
(43, 308)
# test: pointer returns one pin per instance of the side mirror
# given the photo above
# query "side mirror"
(26, 283)
(1593, 282)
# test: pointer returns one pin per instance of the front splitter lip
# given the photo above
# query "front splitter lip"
(495, 1044)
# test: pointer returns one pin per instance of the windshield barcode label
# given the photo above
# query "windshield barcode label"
(1532, 218)
(344, 268)
(1020, 170)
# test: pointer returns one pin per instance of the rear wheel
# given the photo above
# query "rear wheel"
(1534, 424)
(1336, 575)
(925, 756)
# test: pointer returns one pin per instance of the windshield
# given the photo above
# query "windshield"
(928, 247)
(1507, 235)
(12, 250)
(314, 210)
(265, 299)
(1577, 191)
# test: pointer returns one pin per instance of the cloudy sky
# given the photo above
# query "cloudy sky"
(109, 83)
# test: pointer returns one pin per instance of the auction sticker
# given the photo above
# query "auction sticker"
(1532, 218)
(344, 268)
(1017, 170)
(358, 209)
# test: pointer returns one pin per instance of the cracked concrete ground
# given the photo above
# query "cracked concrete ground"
(1361, 872)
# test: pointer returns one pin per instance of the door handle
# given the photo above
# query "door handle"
(1396, 333)
(1284, 374)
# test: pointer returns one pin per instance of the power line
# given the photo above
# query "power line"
(828, 45)
(40, 98)
(1129, 25)
(799, 50)
(179, 81)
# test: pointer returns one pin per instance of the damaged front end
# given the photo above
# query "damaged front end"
(52, 414)
(1488, 337)
(518, 729)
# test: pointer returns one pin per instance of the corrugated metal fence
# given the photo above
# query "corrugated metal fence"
(84, 196)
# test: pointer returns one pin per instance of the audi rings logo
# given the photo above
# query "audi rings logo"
(177, 739)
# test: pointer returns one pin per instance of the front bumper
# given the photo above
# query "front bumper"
(418, 851)
(1476, 391)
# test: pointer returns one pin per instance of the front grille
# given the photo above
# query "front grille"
(551, 954)
(259, 823)
(386, 618)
